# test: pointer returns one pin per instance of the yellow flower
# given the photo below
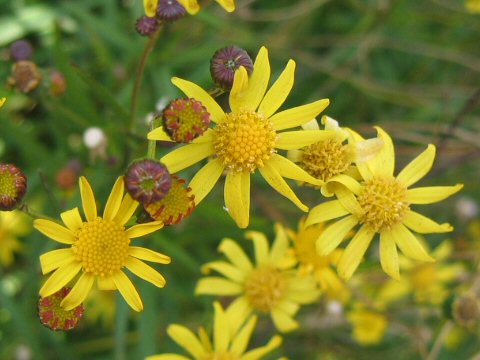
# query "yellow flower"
(305, 255)
(368, 326)
(99, 249)
(191, 6)
(2, 101)
(269, 286)
(226, 344)
(12, 225)
(380, 204)
(245, 139)
(473, 6)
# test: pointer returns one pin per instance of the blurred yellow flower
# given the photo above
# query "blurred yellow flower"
(191, 6)
(368, 326)
(12, 225)
(245, 139)
(227, 344)
(99, 249)
(309, 262)
(268, 286)
(473, 6)
(381, 205)
(2, 101)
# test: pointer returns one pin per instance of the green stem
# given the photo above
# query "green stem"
(34, 214)
(121, 324)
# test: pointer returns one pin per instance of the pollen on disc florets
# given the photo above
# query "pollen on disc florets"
(102, 247)
(185, 119)
(325, 159)
(244, 141)
(265, 287)
(384, 205)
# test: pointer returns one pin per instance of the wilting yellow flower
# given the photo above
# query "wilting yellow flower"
(380, 204)
(330, 157)
(12, 225)
(305, 255)
(268, 286)
(2, 101)
(368, 326)
(99, 249)
(245, 139)
(473, 6)
(427, 281)
(227, 344)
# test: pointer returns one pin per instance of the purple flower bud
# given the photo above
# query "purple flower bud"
(146, 26)
(21, 50)
(170, 10)
(224, 63)
(13, 185)
(147, 180)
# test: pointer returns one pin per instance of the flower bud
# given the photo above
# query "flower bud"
(21, 50)
(146, 26)
(13, 185)
(58, 83)
(224, 63)
(185, 119)
(25, 76)
(466, 310)
(53, 316)
(170, 10)
(147, 181)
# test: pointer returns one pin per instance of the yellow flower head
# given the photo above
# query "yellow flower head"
(99, 249)
(227, 344)
(305, 255)
(473, 6)
(2, 101)
(268, 286)
(12, 225)
(381, 203)
(368, 326)
(246, 138)
(191, 6)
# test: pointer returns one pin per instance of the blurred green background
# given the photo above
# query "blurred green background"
(412, 67)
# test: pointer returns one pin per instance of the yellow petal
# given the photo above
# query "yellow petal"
(289, 140)
(237, 312)
(239, 90)
(226, 269)
(237, 197)
(289, 170)
(431, 194)
(354, 252)
(259, 353)
(271, 175)
(54, 231)
(148, 255)
(288, 307)
(215, 285)
(305, 296)
(389, 255)
(364, 168)
(384, 163)
(408, 243)
(221, 335)
(2, 101)
(424, 225)
(186, 339)
(145, 272)
(334, 234)
(192, 90)
(228, 5)
(417, 168)
(159, 134)
(167, 357)
(128, 291)
(127, 208)
(279, 91)
(205, 179)
(279, 246)
(150, 7)
(60, 278)
(260, 246)
(72, 219)
(143, 229)
(186, 156)
(325, 211)
(257, 83)
(299, 115)
(106, 283)
(348, 201)
(88, 199)
(283, 322)
(54, 259)
(241, 340)
(347, 181)
(235, 254)
(79, 292)
(114, 200)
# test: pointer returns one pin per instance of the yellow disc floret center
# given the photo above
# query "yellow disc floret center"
(102, 247)
(384, 204)
(265, 288)
(7, 184)
(244, 141)
(325, 159)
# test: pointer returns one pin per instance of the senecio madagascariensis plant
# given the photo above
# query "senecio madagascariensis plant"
(191, 6)
(246, 139)
(99, 249)
(381, 204)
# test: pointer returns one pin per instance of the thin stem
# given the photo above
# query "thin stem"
(440, 340)
(33, 214)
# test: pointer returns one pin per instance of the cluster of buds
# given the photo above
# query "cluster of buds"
(157, 12)
(13, 185)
